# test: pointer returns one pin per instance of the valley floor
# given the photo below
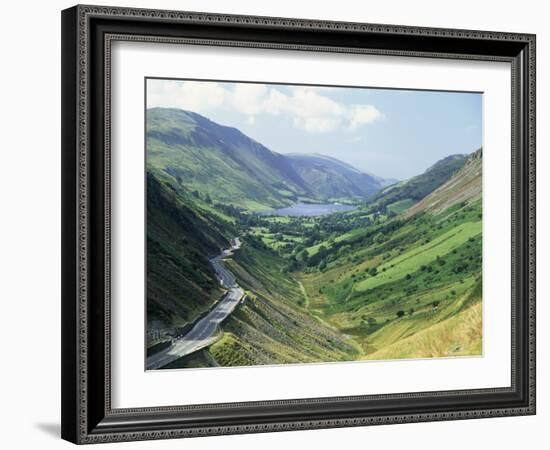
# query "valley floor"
(411, 295)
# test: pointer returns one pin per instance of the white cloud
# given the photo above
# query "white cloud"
(194, 96)
(248, 99)
(309, 110)
(276, 102)
(316, 124)
(363, 114)
(306, 107)
(309, 103)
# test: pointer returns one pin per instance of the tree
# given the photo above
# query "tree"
(400, 313)
(292, 265)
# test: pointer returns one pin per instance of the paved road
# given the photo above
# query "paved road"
(204, 332)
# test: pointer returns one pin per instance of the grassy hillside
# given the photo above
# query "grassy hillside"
(401, 286)
(180, 237)
(219, 162)
(272, 326)
(460, 335)
(462, 188)
(418, 187)
(224, 165)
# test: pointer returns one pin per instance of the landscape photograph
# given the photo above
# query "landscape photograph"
(299, 224)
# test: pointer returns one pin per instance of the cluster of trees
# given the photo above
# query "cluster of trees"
(341, 223)
(337, 249)
(203, 196)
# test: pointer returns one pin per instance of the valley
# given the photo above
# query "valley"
(335, 264)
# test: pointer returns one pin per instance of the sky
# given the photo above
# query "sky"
(387, 132)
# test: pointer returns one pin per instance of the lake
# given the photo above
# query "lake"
(307, 209)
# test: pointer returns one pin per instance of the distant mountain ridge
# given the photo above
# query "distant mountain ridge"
(194, 152)
(418, 187)
(465, 186)
(221, 162)
(333, 178)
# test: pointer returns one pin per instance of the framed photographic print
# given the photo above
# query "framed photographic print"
(279, 224)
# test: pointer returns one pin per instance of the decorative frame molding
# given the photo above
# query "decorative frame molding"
(87, 34)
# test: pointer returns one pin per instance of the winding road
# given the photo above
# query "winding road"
(204, 332)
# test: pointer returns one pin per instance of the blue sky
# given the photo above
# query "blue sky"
(390, 133)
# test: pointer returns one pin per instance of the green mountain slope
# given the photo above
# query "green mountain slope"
(408, 286)
(180, 237)
(418, 187)
(228, 167)
(272, 325)
(386, 286)
(219, 161)
(333, 179)
(463, 187)
(459, 335)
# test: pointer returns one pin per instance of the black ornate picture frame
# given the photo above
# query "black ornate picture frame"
(87, 35)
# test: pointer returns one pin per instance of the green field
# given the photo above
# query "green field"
(401, 205)
(411, 260)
